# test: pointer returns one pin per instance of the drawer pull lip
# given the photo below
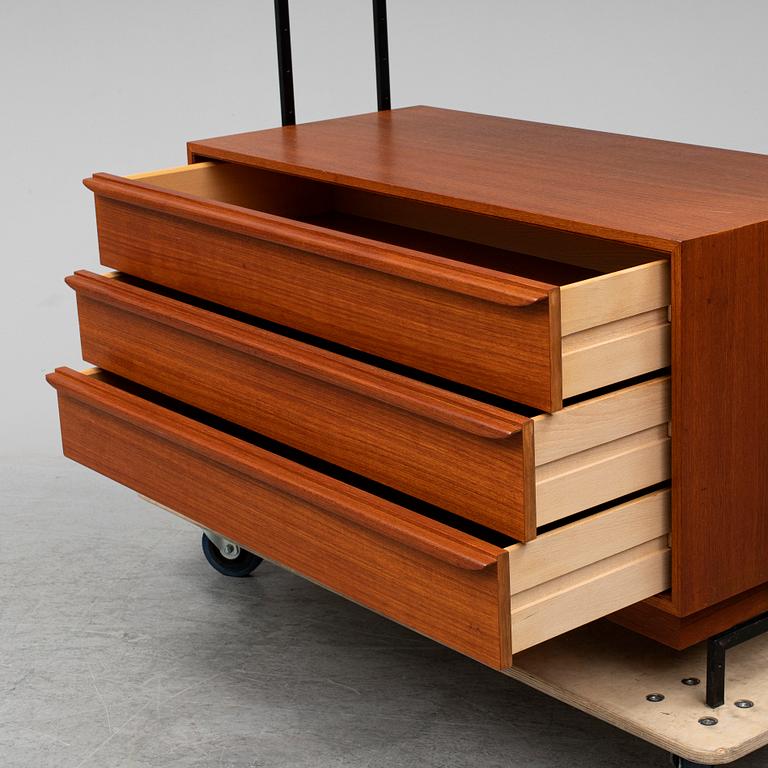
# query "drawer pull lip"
(481, 283)
(397, 523)
(415, 397)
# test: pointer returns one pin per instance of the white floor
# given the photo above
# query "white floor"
(120, 646)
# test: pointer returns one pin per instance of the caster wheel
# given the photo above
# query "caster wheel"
(238, 563)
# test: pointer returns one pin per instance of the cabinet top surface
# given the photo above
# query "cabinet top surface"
(651, 192)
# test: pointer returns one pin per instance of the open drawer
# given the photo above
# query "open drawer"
(467, 589)
(380, 275)
(508, 470)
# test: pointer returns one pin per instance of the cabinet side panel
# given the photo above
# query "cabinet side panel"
(720, 417)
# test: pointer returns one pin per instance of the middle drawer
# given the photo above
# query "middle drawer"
(503, 469)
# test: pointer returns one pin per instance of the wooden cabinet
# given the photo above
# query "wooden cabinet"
(490, 378)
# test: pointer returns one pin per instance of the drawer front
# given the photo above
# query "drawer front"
(432, 578)
(456, 453)
(513, 351)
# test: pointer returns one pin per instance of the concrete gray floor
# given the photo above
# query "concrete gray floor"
(120, 646)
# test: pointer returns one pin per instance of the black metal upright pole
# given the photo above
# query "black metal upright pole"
(381, 44)
(284, 62)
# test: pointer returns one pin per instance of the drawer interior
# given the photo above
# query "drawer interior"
(526, 251)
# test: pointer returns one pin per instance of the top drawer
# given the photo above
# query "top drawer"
(383, 276)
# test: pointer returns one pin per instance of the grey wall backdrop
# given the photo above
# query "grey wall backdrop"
(103, 85)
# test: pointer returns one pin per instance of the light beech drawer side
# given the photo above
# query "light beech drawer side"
(603, 473)
(601, 449)
(590, 593)
(577, 573)
(594, 538)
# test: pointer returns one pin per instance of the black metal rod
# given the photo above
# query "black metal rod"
(285, 62)
(716, 649)
(715, 673)
(381, 45)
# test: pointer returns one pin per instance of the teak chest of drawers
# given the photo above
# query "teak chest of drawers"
(493, 379)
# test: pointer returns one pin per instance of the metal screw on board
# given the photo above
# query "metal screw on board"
(744, 704)
(654, 697)
(691, 681)
(708, 721)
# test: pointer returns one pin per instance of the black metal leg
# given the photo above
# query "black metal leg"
(381, 45)
(716, 650)
(715, 673)
(285, 62)
(285, 59)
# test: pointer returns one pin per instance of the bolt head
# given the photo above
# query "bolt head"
(744, 704)
(655, 697)
(708, 721)
(691, 681)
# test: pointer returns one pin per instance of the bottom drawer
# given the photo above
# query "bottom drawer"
(460, 584)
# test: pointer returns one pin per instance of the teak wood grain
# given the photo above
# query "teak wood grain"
(389, 258)
(472, 459)
(720, 418)
(719, 446)
(432, 578)
(644, 191)
(483, 328)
